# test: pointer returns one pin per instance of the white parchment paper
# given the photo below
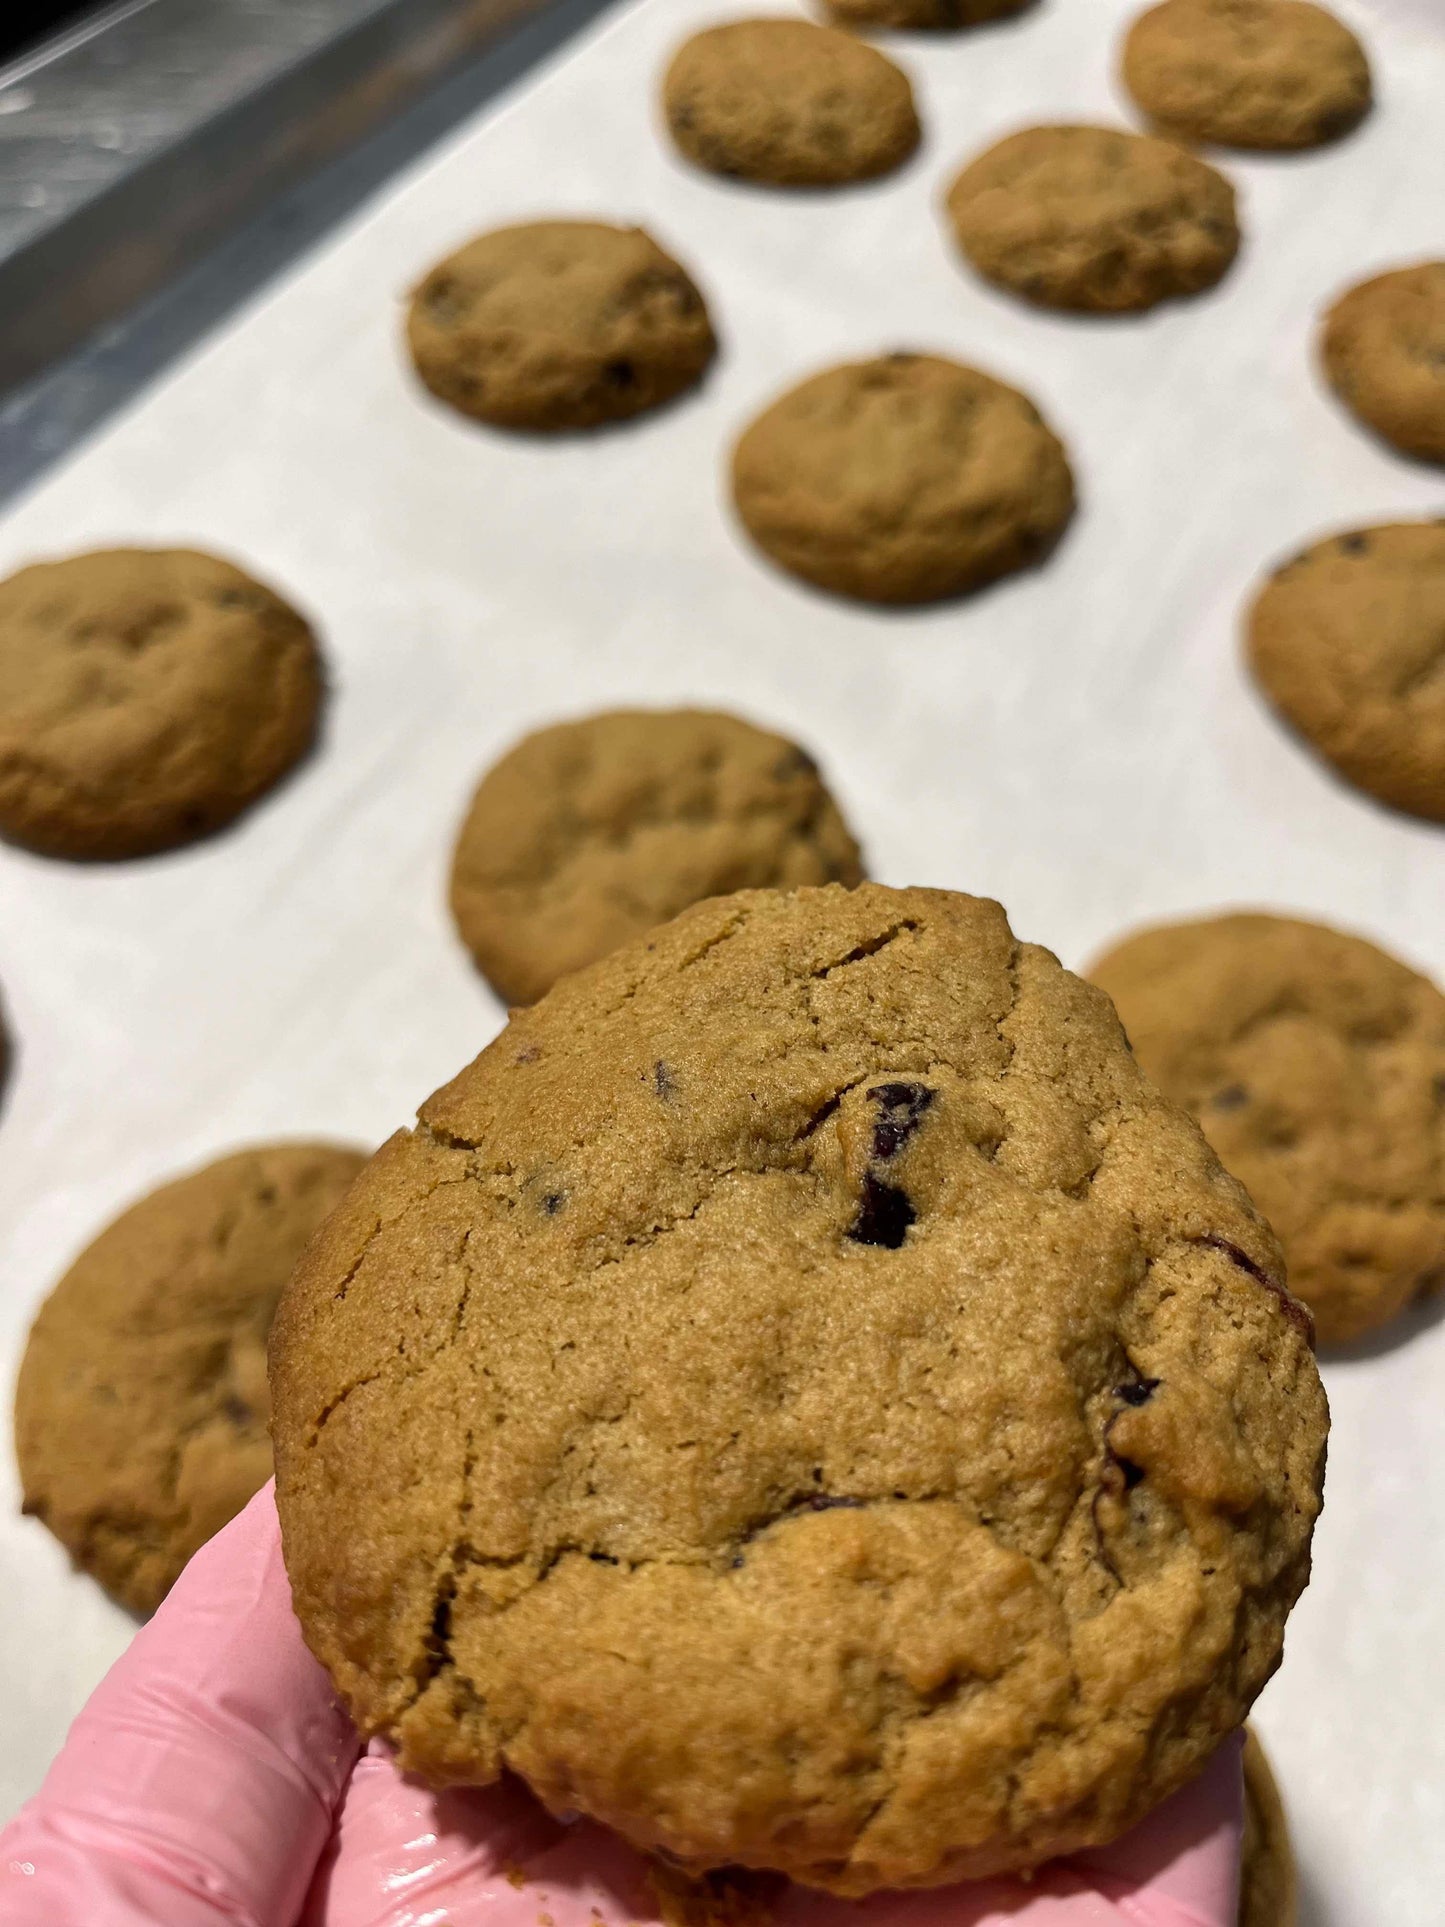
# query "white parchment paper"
(1080, 742)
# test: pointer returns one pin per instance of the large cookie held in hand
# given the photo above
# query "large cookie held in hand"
(804, 1399)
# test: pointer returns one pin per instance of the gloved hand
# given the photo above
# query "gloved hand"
(213, 1781)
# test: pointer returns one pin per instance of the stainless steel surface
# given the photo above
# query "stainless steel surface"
(131, 143)
(49, 414)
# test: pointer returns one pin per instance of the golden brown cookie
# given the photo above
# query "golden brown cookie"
(905, 479)
(1094, 219)
(141, 1408)
(559, 325)
(803, 1399)
(1316, 1065)
(1247, 73)
(1383, 352)
(928, 15)
(1268, 1888)
(1348, 643)
(147, 696)
(588, 833)
(789, 103)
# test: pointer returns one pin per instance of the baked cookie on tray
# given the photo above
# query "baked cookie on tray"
(147, 696)
(1316, 1064)
(1382, 348)
(802, 1398)
(588, 833)
(141, 1407)
(904, 479)
(1094, 219)
(1247, 73)
(558, 325)
(1347, 641)
(1268, 1884)
(788, 103)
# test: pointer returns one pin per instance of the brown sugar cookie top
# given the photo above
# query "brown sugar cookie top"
(905, 479)
(1316, 1064)
(558, 325)
(141, 1407)
(588, 833)
(1348, 643)
(1383, 352)
(147, 696)
(802, 1398)
(1247, 73)
(1268, 1885)
(789, 103)
(1094, 219)
(927, 15)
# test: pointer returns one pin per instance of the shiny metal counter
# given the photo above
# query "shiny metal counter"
(162, 158)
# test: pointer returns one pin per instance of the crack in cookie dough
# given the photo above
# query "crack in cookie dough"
(767, 1545)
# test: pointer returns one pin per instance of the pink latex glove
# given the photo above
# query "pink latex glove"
(212, 1779)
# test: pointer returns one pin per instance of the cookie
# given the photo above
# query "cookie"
(559, 325)
(928, 15)
(803, 1399)
(1268, 1888)
(1247, 73)
(1316, 1065)
(789, 103)
(587, 834)
(1383, 352)
(147, 696)
(1348, 643)
(905, 479)
(1094, 219)
(141, 1407)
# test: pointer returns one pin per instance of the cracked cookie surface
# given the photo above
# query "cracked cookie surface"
(1316, 1064)
(1247, 73)
(147, 696)
(558, 325)
(1094, 219)
(904, 479)
(1383, 352)
(1347, 641)
(788, 103)
(803, 1399)
(590, 832)
(141, 1407)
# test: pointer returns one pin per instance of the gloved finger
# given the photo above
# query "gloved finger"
(403, 1856)
(199, 1783)
(1186, 1854)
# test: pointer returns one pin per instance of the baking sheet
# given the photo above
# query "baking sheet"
(1079, 742)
